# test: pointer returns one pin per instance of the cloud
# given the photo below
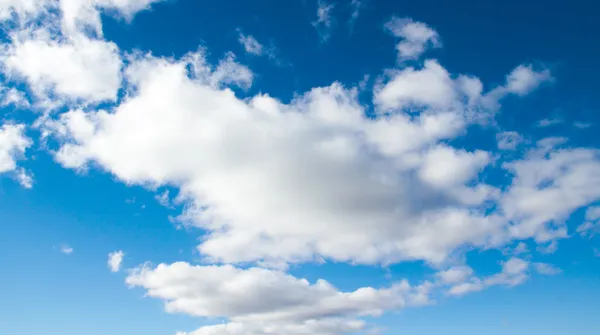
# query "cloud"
(250, 44)
(356, 6)
(548, 122)
(114, 260)
(79, 15)
(514, 272)
(78, 70)
(262, 301)
(416, 37)
(24, 178)
(65, 249)
(582, 125)
(546, 269)
(508, 140)
(324, 21)
(547, 187)
(524, 79)
(591, 226)
(13, 144)
(327, 133)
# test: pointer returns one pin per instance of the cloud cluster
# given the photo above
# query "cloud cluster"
(273, 183)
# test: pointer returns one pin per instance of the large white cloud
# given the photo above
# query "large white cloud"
(277, 182)
(261, 301)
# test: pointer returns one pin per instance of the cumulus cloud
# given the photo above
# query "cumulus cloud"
(262, 301)
(114, 260)
(272, 183)
(13, 144)
(80, 70)
(523, 79)
(372, 170)
(416, 37)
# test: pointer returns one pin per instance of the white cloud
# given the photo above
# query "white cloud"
(250, 44)
(324, 20)
(24, 178)
(261, 301)
(548, 122)
(546, 269)
(455, 275)
(78, 15)
(547, 187)
(592, 213)
(319, 131)
(13, 144)
(20, 8)
(524, 79)
(81, 69)
(163, 198)
(382, 175)
(13, 97)
(65, 249)
(416, 37)
(508, 140)
(114, 260)
(514, 272)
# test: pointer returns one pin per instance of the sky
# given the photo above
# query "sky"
(299, 167)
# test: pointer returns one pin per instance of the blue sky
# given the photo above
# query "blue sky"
(300, 167)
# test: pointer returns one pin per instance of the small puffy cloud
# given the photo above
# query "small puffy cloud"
(250, 44)
(13, 144)
(261, 301)
(546, 269)
(508, 140)
(416, 37)
(114, 260)
(66, 249)
(524, 79)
